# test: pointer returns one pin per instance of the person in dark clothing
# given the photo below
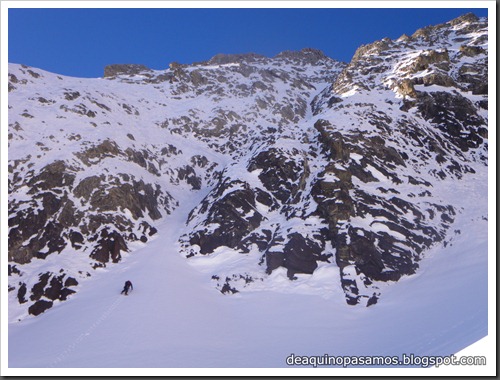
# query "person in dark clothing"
(128, 286)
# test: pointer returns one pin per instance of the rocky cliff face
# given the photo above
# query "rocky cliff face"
(357, 183)
(306, 163)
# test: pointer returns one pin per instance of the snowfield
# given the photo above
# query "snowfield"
(175, 319)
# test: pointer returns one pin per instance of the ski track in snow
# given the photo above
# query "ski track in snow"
(60, 358)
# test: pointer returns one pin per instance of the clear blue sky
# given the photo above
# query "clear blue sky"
(80, 42)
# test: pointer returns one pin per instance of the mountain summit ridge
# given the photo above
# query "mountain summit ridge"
(305, 55)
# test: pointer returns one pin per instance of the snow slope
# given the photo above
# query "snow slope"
(173, 318)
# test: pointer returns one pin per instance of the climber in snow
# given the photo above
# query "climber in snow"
(128, 285)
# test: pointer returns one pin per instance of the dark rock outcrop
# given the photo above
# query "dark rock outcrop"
(40, 307)
(124, 69)
(282, 173)
(223, 59)
(232, 216)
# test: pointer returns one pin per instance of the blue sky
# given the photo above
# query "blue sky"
(80, 42)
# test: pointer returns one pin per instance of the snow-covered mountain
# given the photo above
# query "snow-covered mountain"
(298, 167)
